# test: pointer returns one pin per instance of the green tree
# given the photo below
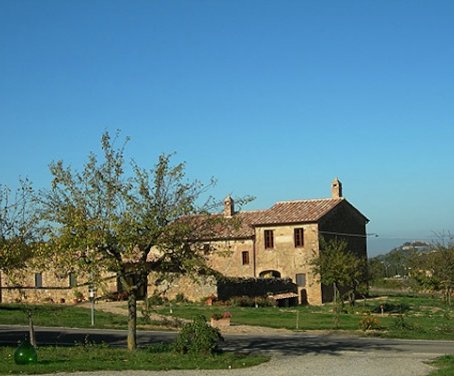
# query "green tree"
(19, 226)
(102, 219)
(435, 270)
(339, 267)
(377, 269)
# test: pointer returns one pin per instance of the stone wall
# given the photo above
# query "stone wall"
(194, 290)
(227, 258)
(289, 260)
(344, 223)
(51, 287)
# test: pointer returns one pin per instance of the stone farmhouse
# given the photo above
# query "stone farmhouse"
(280, 242)
(276, 243)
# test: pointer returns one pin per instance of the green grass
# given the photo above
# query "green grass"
(59, 315)
(422, 317)
(92, 358)
(409, 317)
(445, 365)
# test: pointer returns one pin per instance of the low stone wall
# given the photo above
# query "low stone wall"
(194, 290)
(53, 289)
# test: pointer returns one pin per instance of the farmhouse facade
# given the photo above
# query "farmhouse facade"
(279, 242)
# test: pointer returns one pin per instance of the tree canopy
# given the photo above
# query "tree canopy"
(18, 225)
(435, 270)
(103, 219)
(337, 266)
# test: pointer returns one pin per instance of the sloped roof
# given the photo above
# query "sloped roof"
(300, 211)
(286, 212)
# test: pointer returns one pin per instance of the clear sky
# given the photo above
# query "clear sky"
(274, 98)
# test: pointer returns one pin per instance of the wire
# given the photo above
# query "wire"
(347, 234)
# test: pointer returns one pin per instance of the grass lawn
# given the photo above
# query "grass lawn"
(446, 366)
(417, 317)
(59, 315)
(403, 316)
(91, 358)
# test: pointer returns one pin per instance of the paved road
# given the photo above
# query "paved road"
(285, 344)
(295, 354)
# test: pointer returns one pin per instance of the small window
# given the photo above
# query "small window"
(38, 280)
(269, 239)
(72, 280)
(301, 279)
(298, 235)
(245, 257)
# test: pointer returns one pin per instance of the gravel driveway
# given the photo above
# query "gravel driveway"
(376, 363)
(370, 362)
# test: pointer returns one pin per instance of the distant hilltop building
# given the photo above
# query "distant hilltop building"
(267, 246)
(418, 245)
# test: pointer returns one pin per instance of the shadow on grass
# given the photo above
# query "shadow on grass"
(48, 362)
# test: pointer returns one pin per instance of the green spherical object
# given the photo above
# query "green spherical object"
(25, 354)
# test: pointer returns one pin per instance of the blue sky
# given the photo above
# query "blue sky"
(273, 98)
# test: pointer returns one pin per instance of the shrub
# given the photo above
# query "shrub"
(198, 337)
(391, 308)
(400, 323)
(180, 298)
(156, 299)
(369, 323)
(247, 301)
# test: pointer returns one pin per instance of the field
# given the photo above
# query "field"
(95, 357)
(446, 366)
(410, 316)
(415, 317)
(418, 317)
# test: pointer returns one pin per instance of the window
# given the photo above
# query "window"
(72, 280)
(301, 279)
(38, 280)
(298, 236)
(269, 239)
(245, 257)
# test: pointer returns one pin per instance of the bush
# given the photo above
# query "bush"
(156, 299)
(391, 308)
(180, 298)
(402, 324)
(198, 337)
(369, 323)
(247, 301)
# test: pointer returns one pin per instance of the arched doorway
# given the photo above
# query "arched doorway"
(270, 274)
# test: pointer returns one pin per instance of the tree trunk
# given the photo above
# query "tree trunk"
(335, 292)
(31, 329)
(132, 320)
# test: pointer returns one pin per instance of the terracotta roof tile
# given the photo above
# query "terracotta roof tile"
(286, 212)
(297, 211)
(242, 224)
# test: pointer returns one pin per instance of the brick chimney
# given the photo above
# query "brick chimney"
(229, 207)
(336, 188)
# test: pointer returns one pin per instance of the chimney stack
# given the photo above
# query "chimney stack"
(336, 188)
(229, 207)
